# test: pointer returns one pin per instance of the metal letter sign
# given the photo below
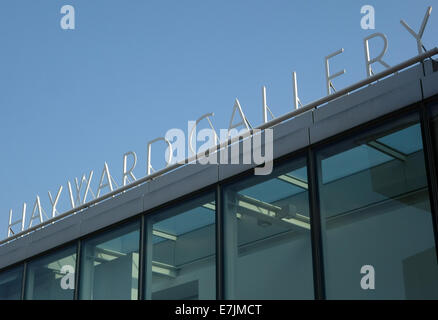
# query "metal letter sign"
(108, 183)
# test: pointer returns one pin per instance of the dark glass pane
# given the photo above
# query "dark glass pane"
(10, 283)
(267, 234)
(51, 277)
(376, 217)
(109, 264)
(180, 246)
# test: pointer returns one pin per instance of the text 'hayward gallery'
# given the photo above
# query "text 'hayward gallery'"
(353, 188)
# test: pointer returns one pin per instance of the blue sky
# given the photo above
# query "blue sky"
(72, 99)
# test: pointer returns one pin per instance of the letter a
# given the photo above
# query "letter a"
(244, 120)
(68, 21)
(368, 280)
(68, 281)
(367, 21)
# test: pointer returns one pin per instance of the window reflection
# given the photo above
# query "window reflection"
(375, 211)
(10, 283)
(267, 234)
(51, 277)
(110, 265)
(181, 247)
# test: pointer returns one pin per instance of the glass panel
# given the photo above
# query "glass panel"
(51, 277)
(109, 265)
(181, 251)
(376, 217)
(267, 234)
(10, 283)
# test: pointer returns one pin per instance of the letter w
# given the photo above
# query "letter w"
(78, 186)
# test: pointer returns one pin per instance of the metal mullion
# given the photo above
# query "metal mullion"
(316, 230)
(219, 244)
(431, 168)
(78, 269)
(141, 258)
(23, 281)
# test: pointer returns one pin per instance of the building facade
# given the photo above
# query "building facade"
(349, 212)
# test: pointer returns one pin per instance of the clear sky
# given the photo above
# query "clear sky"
(72, 99)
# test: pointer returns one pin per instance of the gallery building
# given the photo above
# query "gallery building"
(348, 212)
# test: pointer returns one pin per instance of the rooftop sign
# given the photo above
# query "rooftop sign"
(80, 195)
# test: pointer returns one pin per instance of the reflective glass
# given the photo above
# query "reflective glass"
(376, 217)
(10, 283)
(180, 251)
(267, 235)
(51, 277)
(109, 264)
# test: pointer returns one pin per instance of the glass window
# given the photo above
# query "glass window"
(51, 277)
(10, 283)
(267, 234)
(180, 251)
(109, 264)
(376, 217)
